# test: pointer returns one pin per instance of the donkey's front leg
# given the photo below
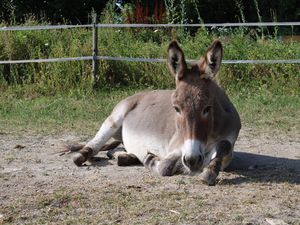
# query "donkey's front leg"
(163, 167)
(210, 173)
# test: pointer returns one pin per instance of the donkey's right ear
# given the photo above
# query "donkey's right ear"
(210, 63)
(176, 61)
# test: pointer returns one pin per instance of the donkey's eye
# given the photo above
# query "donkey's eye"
(206, 110)
(177, 109)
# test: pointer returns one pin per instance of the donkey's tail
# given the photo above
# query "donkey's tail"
(70, 148)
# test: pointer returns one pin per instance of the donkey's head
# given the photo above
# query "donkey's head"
(193, 100)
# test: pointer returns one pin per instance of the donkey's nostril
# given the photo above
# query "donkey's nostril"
(190, 162)
(193, 162)
(200, 159)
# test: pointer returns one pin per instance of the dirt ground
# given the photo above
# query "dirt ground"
(37, 186)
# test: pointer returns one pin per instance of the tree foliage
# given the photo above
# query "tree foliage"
(56, 11)
(176, 11)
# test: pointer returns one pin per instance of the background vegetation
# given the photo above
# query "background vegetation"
(50, 78)
(63, 93)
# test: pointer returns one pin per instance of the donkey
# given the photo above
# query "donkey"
(183, 131)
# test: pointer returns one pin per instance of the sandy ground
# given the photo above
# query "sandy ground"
(37, 186)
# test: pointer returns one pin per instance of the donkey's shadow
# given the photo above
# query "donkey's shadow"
(262, 168)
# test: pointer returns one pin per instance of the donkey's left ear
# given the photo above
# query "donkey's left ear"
(210, 63)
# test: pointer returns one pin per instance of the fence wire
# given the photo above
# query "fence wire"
(147, 60)
(51, 27)
(130, 59)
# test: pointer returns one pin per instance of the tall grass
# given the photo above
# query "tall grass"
(67, 77)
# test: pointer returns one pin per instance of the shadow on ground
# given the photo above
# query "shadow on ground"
(251, 168)
(263, 168)
(100, 161)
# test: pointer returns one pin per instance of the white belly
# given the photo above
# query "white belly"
(140, 144)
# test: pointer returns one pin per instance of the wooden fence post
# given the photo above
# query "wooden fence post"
(95, 50)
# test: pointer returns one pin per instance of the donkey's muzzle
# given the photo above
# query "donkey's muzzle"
(194, 163)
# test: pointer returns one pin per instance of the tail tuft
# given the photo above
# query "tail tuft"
(69, 148)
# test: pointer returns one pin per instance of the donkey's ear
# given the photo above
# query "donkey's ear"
(176, 61)
(210, 63)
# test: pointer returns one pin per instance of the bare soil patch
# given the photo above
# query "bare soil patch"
(262, 186)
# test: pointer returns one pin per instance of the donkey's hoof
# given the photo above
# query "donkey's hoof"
(79, 159)
(208, 177)
(81, 156)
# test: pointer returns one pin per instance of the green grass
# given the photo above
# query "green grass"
(270, 113)
(83, 113)
(60, 113)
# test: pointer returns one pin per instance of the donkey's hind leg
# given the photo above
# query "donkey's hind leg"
(110, 127)
(123, 158)
(127, 159)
